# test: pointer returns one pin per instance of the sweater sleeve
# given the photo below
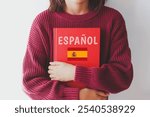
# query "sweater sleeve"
(115, 75)
(36, 82)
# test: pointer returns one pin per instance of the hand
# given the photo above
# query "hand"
(61, 71)
(90, 94)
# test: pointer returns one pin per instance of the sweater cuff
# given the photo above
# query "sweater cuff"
(71, 93)
(83, 75)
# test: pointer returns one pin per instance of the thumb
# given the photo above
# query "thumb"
(102, 93)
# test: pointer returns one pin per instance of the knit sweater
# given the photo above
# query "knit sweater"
(115, 73)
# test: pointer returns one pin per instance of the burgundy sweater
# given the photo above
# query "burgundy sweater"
(115, 73)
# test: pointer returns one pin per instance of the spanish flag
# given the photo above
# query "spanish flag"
(79, 54)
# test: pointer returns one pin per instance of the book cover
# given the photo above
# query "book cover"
(77, 46)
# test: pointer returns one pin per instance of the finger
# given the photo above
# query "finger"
(50, 71)
(51, 67)
(54, 79)
(52, 76)
(55, 63)
(101, 93)
(102, 98)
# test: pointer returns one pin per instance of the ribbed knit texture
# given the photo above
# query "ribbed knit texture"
(115, 73)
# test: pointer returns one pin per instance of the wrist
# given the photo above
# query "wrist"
(73, 72)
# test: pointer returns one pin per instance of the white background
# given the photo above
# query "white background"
(7, 108)
(16, 17)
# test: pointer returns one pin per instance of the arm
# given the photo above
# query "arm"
(36, 81)
(56, 73)
(91, 94)
(115, 75)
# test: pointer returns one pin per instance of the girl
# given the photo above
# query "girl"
(115, 73)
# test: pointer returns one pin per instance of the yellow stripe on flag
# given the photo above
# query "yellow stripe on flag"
(77, 54)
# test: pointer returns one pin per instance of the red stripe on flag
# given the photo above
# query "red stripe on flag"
(77, 49)
(77, 59)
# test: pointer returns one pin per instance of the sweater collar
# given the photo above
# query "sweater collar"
(77, 18)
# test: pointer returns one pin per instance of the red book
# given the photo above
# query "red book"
(77, 46)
